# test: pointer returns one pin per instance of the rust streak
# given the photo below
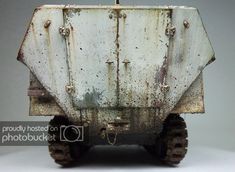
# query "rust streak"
(20, 55)
(117, 53)
(162, 72)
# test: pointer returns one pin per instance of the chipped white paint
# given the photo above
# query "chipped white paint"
(189, 53)
(144, 44)
(91, 57)
(44, 52)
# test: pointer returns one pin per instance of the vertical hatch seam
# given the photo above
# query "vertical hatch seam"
(117, 56)
(161, 110)
(70, 78)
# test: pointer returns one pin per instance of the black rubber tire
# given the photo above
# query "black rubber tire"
(171, 145)
(64, 153)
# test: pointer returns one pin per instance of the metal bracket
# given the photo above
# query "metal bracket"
(164, 88)
(69, 88)
(64, 31)
(170, 31)
(121, 15)
(109, 62)
(126, 61)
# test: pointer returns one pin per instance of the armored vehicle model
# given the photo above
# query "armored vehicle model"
(116, 75)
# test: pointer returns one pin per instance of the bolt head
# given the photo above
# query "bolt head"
(47, 24)
(110, 16)
(186, 24)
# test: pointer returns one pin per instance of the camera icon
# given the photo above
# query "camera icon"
(71, 133)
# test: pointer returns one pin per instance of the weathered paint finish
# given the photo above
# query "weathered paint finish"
(191, 102)
(41, 102)
(144, 44)
(132, 120)
(193, 99)
(116, 57)
(92, 57)
(44, 52)
(188, 54)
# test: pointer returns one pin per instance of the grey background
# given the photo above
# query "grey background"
(213, 129)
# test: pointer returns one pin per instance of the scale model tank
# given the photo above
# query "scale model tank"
(116, 75)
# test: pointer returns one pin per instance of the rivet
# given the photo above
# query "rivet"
(124, 16)
(47, 24)
(110, 16)
(186, 24)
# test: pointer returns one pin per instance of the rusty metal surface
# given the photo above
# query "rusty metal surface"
(44, 107)
(193, 99)
(44, 53)
(41, 102)
(99, 57)
(189, 53)
(125, 121)
(38, 93)
(92, 57)
(143, 45)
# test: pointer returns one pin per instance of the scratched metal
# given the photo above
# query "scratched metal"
(143, 44)
(92, 57)
(41, 102)
(189, 52)
(135, 120)
(191, 102)
(44, 52)
(193, 99)
(115, 60)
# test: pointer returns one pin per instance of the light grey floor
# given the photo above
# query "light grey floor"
(131, 158)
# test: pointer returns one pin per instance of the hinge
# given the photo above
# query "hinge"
(69, 88)
(170, 31)
(64, 31)
(164, 88)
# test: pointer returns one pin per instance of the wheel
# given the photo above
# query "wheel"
(171, 145)
(64, 153)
